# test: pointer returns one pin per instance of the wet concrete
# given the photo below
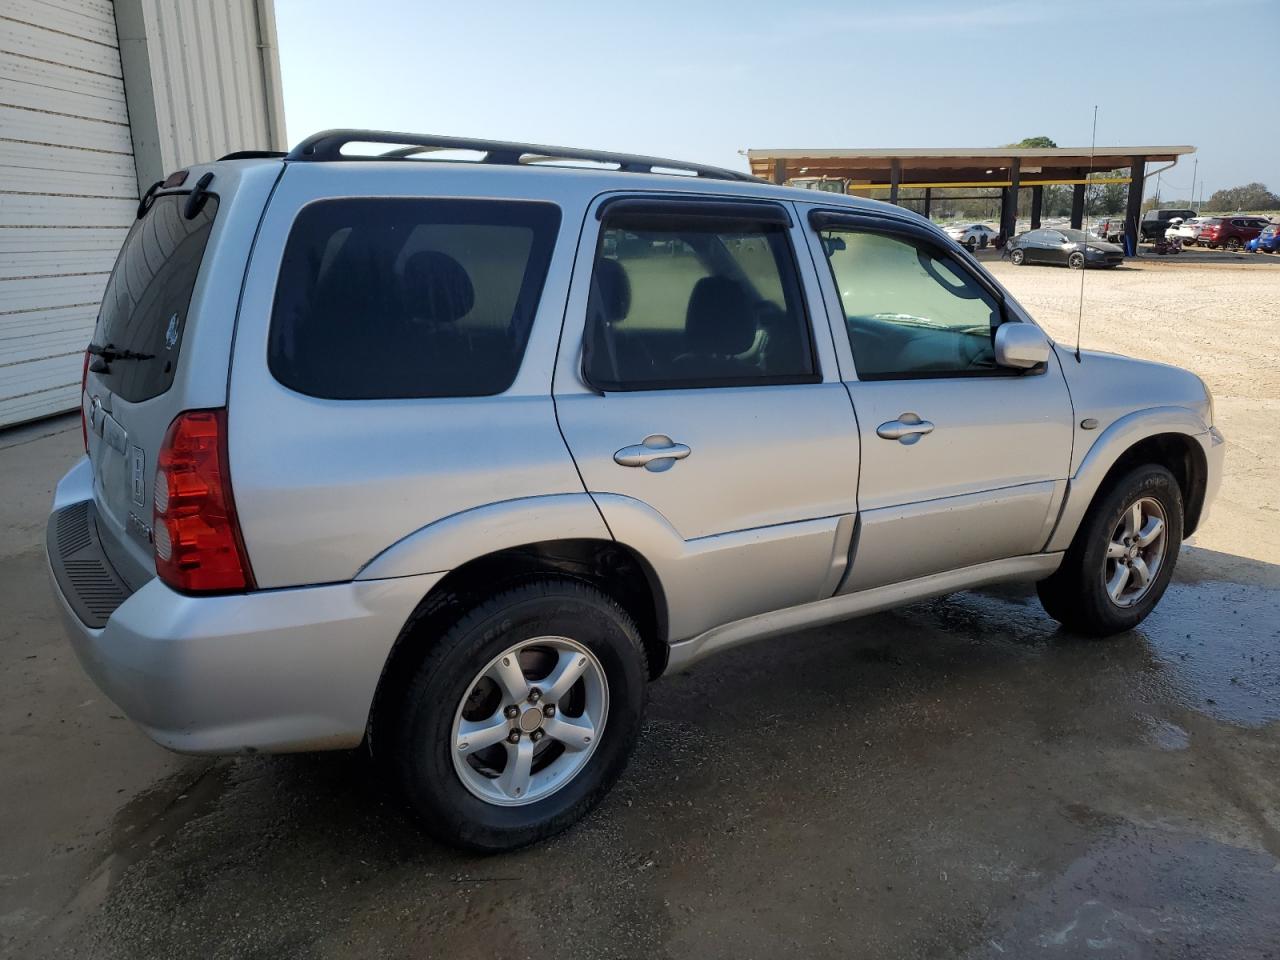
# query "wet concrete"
(955, 779)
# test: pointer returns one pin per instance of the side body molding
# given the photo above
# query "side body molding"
(1109, 446)
(713, 580)
(450, 542)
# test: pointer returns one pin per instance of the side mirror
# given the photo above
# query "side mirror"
(1021, 345)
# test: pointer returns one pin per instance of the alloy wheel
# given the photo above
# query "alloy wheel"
(529, 721)
(1135, 552)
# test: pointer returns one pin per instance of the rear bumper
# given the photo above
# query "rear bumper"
(272, 671)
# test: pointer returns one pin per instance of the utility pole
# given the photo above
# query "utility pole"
(1195, 166)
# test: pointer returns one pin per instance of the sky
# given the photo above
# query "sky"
(703, 81)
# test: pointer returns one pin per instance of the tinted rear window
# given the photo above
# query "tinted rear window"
(383, 298)
(144, 308)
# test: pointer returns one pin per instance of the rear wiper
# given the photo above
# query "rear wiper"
(109, 353)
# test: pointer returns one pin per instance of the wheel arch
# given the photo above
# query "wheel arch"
(617, 570)
(1166, 437)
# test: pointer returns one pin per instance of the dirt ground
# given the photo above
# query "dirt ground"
(954, 779)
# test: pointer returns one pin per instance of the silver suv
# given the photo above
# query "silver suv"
(451, 458)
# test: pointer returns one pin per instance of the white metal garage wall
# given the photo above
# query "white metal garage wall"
(68, 192)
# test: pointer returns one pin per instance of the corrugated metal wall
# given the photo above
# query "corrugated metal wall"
(218, 92)
(68, 192)
(96, 99)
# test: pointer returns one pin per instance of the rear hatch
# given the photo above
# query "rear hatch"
(161, 344)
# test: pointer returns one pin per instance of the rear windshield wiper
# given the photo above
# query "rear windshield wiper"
(109, 353)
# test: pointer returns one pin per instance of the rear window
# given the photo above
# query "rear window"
(382, 298)
(144, 308)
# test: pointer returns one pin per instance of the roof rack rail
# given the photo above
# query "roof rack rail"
(253, 155)
(327, 146)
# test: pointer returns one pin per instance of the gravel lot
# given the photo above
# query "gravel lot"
(955, 779)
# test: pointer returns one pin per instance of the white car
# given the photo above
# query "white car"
(972, 236)
(1186, 229)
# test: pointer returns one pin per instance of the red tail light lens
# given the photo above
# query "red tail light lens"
(84, 385)
(197, 536)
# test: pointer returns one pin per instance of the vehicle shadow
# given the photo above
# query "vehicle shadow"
(873, 776)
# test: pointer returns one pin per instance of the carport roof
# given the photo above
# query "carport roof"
(962, 165)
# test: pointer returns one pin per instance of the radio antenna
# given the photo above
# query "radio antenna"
(1093, 145)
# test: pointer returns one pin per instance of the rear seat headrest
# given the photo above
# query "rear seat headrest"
(719, 320)
(612, 289)
(437, 287)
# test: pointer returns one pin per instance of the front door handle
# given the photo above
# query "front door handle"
(658, 452)
(908, 429)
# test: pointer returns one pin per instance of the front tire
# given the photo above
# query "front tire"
(1122, 558)
(1017, 258)
(520, 716)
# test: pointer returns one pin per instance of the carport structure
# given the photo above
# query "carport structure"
(1007, 168)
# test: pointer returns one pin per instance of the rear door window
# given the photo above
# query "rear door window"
(382, 298)
(144, 309)
(693, 299)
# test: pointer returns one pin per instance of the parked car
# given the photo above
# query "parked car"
(1268, 241)
(1184, 230)
(1069, 248)
(1230, 232)
(973, 236)
(1155, 222)
(405, 453)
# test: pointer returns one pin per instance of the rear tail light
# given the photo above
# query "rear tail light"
(84, 386)
(197, 535)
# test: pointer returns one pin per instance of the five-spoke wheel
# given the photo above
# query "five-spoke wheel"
(1135, 552)
(519, 715)
(1122, 557)
(530, 720)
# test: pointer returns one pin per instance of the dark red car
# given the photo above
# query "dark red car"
(1230, 232)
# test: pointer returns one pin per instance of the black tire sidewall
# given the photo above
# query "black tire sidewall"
(1076, 261)
(1018, 258)
(545, 607)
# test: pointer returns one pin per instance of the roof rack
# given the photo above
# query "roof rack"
(327, 146)
(253, 155)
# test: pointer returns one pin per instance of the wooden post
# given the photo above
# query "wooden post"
(1037, 206)
(895, 175)
(928, 203)
(779, 171)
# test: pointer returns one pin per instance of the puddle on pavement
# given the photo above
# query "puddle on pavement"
(1215, 645)
(1145, 893)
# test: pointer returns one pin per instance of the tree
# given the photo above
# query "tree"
(1036, 143)
(1251, 196)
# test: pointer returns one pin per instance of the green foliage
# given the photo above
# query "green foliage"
(1251, 196)
(1040, 143)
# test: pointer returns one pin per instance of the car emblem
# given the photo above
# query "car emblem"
(171, 333)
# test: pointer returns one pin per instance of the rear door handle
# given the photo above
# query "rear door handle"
(658, 452)
(908, 429)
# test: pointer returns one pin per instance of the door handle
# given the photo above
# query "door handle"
(658, 452)
(907, 429)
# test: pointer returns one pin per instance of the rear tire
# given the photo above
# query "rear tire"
(460, 791)
(1076, 261)
(1090, 594)
(971, 244)
(1233, 245)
